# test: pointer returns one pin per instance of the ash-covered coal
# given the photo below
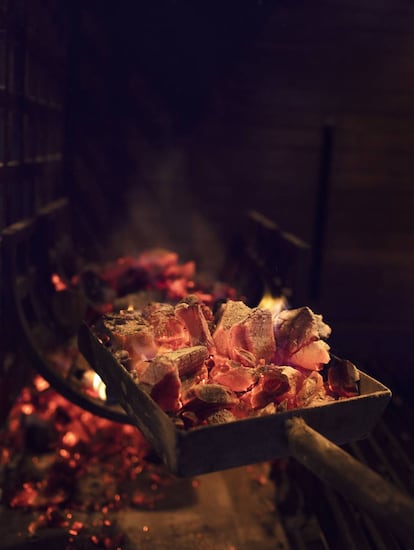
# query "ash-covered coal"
(267, 362)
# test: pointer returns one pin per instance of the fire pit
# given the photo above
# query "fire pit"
(198, 128)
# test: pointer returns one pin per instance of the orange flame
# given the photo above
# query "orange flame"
(275, 304)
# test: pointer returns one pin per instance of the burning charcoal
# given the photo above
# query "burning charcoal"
(162, 382)
(187, 361)
(312, 356)
(233, 375)
(161, 378)
(221, 417)
(209, 397)
(177, 289)
(193, 299)
(200, 376)
(296, 329)
(131, 332)
(192, 316)
(295, 378)
(233, 313)
(156, 261)
(271, 408)
(272, 384)
(168, 330)
(270, 359)
(244, 357)
(254, 334)
(312, 386)
(181, 271)
(343, 378)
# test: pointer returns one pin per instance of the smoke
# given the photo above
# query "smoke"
(161, 210)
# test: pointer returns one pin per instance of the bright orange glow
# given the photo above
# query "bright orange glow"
(58, 283)
(40, 383)
(64, 453)
(27, 408)
(130, 307)
(275, 304)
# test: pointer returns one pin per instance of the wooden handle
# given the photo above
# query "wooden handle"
(366, 489)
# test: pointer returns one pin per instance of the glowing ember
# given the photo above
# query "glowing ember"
(83, 445)
(202, 367)
(27, 409)
(58, 283)
(40, 383)
(70, 439)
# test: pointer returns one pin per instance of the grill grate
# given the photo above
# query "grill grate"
(32, 61)
(32, 65)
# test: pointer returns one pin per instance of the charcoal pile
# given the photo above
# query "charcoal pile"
(204, 356)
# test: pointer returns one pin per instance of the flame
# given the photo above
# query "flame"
(99, 386)
(130, 307)
(58, 282)
(275, 304)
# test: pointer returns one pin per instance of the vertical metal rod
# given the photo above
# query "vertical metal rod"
(321, 210)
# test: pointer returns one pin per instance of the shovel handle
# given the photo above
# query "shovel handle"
(355, 481)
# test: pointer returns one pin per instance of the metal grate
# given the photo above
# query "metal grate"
(32, 86)
(32, 55)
